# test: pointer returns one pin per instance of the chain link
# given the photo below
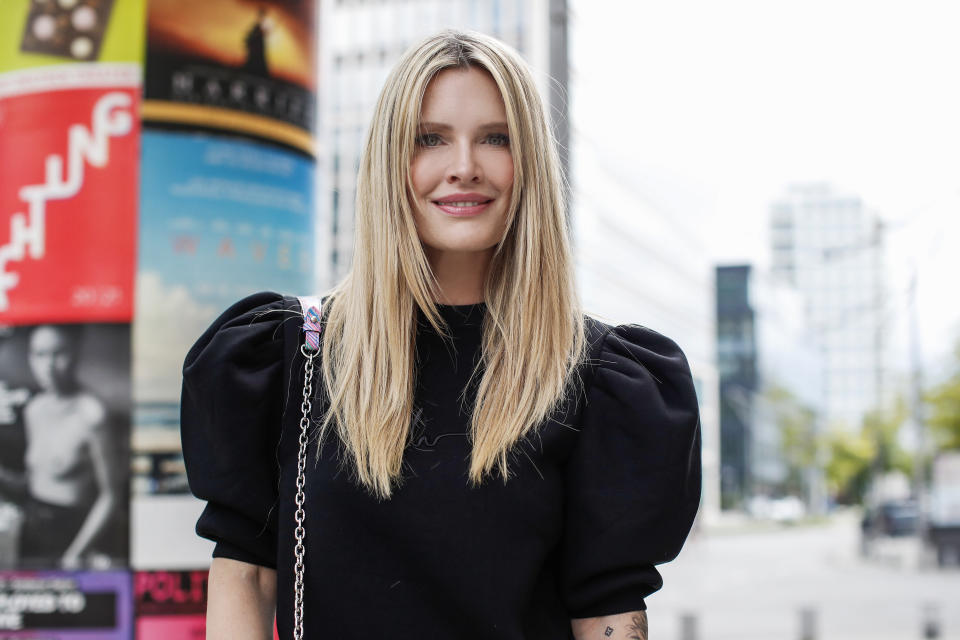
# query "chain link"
(299, 532)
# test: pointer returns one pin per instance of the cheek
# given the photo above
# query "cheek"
(501, 173)
(423, 175)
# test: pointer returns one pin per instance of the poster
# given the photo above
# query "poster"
(70, 86)
(240, 66)
(54, 605)
(68, 194)
(41, 33)
(170, 605)
(64, 445)
(241, 214)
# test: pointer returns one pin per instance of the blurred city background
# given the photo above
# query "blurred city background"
(773, 184)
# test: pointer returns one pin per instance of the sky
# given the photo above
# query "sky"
(721, 105)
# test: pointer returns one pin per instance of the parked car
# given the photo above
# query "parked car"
(893, 518)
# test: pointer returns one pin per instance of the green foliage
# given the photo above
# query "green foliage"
(944, 401)
(882, 428)
(849, 456)
(855, 458)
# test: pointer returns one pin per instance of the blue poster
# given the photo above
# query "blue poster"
(220, 218)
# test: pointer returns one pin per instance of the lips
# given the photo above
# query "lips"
(463, 204)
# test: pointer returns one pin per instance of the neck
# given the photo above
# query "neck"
(460, 274)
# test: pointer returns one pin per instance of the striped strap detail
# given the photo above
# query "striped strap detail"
(311, 308)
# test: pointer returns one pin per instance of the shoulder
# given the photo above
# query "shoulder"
(92, 409)
(642, 376)
(244, 332)
(634, 349)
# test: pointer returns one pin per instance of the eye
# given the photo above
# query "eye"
(498, 139)
(428, 140)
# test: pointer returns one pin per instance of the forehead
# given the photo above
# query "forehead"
(48, 338)
(461, 93)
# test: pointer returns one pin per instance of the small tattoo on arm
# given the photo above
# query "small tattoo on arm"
(608, 631)
(638, 626)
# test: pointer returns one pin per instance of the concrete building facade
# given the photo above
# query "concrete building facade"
(830, 247)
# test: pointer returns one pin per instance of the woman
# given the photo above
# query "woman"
(487, 462)
(70, 463)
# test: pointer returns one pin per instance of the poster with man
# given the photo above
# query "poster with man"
(238, 66)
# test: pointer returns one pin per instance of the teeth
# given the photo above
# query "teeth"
(461, 204)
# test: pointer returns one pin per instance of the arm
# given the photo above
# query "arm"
(622, 626)
(241, 600)
(101, 453)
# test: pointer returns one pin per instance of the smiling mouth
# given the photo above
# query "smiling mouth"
(461, 208)
(470, 203)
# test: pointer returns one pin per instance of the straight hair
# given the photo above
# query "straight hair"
(533, 332)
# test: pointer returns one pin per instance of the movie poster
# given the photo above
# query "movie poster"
(242, 66)
(58, 605)
(220, 219)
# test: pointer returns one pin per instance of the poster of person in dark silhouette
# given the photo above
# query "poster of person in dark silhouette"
(66, 407)
(256, 45)
(243, 66)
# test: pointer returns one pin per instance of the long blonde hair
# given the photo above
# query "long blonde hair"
(533, 332)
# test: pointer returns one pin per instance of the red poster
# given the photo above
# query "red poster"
(171, 605)
(68, 205)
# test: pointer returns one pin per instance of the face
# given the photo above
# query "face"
(462, 170)
(51, 358)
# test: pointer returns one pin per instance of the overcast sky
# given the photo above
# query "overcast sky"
(729, 102)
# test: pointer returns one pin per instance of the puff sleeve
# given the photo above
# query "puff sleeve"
(632, 482)
(230, 421)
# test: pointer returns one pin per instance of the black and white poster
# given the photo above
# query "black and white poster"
(64, 446)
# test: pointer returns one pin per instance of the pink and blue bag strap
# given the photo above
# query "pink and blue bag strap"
(311, 308)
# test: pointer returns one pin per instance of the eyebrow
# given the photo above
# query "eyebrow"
(439, 126)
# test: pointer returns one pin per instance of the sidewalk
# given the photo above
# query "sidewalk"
(745, 580)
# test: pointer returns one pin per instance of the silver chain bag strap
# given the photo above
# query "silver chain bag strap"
(311, 308)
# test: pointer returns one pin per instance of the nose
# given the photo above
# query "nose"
(464, 166)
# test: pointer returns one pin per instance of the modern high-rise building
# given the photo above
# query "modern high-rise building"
(830, 246)
(362, 39)
(770, 371)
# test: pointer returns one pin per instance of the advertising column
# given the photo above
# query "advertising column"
(70, 86)
(226, 209)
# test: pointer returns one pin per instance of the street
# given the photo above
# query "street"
(752, 581)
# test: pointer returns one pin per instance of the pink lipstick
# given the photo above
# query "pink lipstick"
(463, 204)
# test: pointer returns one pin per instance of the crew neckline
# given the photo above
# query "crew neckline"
(470, 305)
(462, 315)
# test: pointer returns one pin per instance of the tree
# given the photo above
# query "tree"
(944, 401)
(882, 428)
(856, 458)
(849, 456)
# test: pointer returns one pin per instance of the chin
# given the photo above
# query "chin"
(459, 247)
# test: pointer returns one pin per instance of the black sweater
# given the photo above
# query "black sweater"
(600, 493)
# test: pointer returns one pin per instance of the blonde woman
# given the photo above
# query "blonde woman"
(487, 461)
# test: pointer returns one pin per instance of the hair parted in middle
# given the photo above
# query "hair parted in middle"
(533, 332)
